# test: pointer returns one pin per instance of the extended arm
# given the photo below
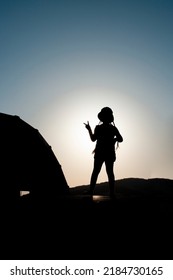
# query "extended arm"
(91, 134)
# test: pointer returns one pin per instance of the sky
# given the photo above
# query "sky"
(61, 61)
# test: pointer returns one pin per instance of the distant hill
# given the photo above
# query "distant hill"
(132, 186)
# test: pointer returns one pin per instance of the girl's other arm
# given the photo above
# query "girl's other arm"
(119, 137)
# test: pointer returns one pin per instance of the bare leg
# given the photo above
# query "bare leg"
(111, 177)
(95, 173)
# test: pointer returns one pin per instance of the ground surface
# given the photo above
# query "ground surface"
(79, 226)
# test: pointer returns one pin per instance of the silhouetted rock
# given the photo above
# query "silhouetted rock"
(27, 161)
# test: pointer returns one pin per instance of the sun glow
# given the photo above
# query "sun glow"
(68, 136)
(66, 133)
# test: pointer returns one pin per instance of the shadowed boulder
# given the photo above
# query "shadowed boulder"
(27, 161)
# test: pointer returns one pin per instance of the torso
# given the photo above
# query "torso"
(105, 146)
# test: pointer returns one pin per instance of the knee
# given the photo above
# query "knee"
(111, 175)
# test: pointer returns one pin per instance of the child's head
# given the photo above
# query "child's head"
(106, 115)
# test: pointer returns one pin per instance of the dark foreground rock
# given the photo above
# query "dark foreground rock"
(81, 227)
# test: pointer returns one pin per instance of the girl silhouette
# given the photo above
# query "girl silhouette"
(107, 136)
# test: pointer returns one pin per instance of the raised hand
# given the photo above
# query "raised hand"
(87, 125)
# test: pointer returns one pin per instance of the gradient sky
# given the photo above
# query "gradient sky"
(62, 61)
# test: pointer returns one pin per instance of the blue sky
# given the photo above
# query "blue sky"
(62, 61)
